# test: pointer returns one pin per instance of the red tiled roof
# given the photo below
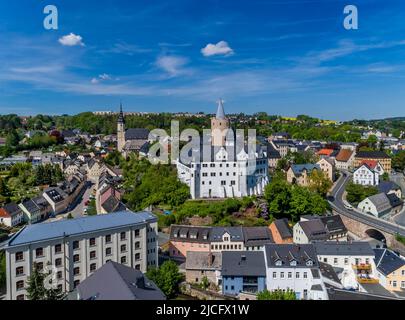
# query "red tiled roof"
(4, 214)
(325, 152)
(369, 163)
(344, 155)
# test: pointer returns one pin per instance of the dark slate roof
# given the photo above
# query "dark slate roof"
(30, 206)
(137, 134)
(236, 233)
(55, 194)
(60, 229)
(357, 248)
(111, 204)
(314, 229)
(387, 261)
(287, 253)
(12, 209)
(299, 168)
(387, 186)
(394, 200)
(381, 202)
(257, 236)
(272, 153)
(284, 228)
(115, 281)
(190, 234)
(328, 272)
(334, 224)
(372, 155)
(243, 263)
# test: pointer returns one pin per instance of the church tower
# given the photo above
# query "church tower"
(219, 126)
(121, 131)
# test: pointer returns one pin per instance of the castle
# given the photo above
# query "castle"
(230, 171)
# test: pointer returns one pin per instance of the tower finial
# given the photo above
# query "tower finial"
(121, 115)
(220, 110)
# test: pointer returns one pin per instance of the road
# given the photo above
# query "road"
(79, 205)
(338, 205)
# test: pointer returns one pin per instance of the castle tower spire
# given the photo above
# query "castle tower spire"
(220, 109)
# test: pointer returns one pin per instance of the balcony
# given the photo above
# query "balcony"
(362, 266)
(366, 280)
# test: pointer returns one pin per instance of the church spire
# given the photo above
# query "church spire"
(121, 115)
(220, 110)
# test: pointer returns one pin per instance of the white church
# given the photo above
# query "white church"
(228, 172)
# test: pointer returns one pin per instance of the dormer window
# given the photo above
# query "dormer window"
(278, 263)
(310, 263)
(293, 263)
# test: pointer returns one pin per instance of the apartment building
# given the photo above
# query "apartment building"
(379, 156)
(74, 249)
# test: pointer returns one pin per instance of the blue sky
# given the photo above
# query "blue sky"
(284, 57)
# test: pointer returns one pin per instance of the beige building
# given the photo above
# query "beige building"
(72, 250)
(203, 264)
(300, 173)
(345, 159)
(379, 156)
(327, 165)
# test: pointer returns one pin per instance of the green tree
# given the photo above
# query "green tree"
(167, 278)
(357, 193)
(319, 182)
(205, 283)
(276, 295)
(12, 139)
(36, 287)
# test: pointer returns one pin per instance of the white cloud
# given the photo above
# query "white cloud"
(173, 65)
(71, 40)
(101, 77)
(221, 48)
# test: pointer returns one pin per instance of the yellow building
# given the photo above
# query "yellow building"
(379, 156)
(390, 270)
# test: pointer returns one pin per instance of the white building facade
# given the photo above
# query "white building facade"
(74, 249)
(229, 172)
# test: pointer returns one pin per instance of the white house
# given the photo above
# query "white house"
(294, 267)
(354, 260)
(368, 174)
(11, 215)
(377, 205)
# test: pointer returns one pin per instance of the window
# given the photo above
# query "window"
(58, 262)
(138, 267)
(60, 287)
(19, 285)
(59, 275)
(39, 252)
(58, 248)
(40, 266)
(92, 242)
(19, 256)
(282, 275)
(137, 256)
(21, 297)
(289, 275)
(108, 251)
(137, 245)
(346, 261)
(137, 233)
(76, 271)
(274, 275)
(93, 255)
(123, 236)
(76, 283)
(123, 260)
(305, 275)
(335, 260)
(76, 258)
(403, 284)
(297, 275)
(19, 271)
(124, 248)
(394, 284)
(76, 245)
(108, 238)
(93, 267)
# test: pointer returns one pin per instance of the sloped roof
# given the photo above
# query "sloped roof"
(286, 253)
(137, 134)
(380, 201)
(325, 152)
(243, 263)
(372, 164)
(355, 248)
(394, 200)
(298, 169)
(387, 261)
(114, 281)
(372, 155)
(283, 228)
(203, 260)
(387, 186)
(344, 155)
